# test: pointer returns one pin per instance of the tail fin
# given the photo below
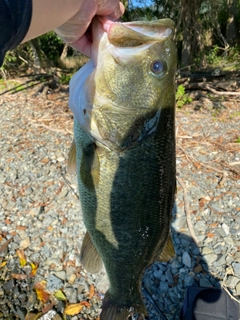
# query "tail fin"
(112, 311)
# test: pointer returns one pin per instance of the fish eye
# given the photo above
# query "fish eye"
(158, 67)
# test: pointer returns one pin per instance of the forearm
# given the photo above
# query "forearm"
(47, 15)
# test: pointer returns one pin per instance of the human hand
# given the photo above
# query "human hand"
(74, 31)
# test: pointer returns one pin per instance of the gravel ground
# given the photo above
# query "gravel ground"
(41, 226)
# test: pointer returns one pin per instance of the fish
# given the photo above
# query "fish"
(123, 152)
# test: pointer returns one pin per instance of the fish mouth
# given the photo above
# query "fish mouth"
(128, 35)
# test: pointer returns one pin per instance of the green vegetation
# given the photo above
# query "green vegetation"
(181, 97)
(207, 36)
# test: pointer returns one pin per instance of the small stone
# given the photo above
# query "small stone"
(225, 228)
(163, 287)
(158, 274)
(25, 243)
(221, 261)
(8, 286)
(205, 283)
(238, 289)
(169, 276)
(232, 282)
(237, 257)
(229, 241)
(53, 283)
(186, 260)
(236, 268)
(176, 264)
(188, 281)
(210, 258)
(61, 275)
(206, 250)
(200, 225)
(71, 294)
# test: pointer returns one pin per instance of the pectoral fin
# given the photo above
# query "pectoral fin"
(168, 251)
(89, 256)
(71, 168)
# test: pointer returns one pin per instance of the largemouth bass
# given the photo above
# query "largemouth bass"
(124, 153)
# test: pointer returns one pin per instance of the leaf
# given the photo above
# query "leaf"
(4, 246)
(73, 309)
(21, 256)
(85, 304)
(3, 263)
(19, 276)
(210, 235)
(40, 291)
(91, 291)
(34, 269)
(59, 295)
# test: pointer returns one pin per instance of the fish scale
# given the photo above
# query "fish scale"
(126, 176)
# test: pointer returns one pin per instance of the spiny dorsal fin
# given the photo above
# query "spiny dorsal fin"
(168, 251)
(89, 256)
(71, 168)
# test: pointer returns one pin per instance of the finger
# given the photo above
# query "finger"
(118, 12)
(113, 12)
(83, 45)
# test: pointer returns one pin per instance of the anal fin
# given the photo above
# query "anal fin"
(168, 251)
(89, 256)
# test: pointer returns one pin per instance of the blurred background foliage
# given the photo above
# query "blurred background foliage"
(207, 36)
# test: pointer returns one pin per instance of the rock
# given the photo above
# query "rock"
(186, 259)
(225, 228)
(158, 274)
(61, 275)
(238, 289)
(229, 241)
(200, 226)
(8, 286)
(236, 268)
(163, 287)
(188, 281)
(210, 258)
(232, 281)
(205, 283)
(206, 251)
(53, 283)
(169, 276)
(71, 294)
(25, 243)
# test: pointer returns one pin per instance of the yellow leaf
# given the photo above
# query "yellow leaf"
(3, 264)
(21, 256)
(34, 269)
(42, 295)
(73, 309)
(40, 291)
(59, 295)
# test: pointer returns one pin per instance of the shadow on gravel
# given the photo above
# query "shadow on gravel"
(167, 283)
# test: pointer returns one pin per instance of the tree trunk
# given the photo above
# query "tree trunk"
(191, 43)
(232, 33)
(64, 52)
(35, 53)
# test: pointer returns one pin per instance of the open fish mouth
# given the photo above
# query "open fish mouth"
(124, 39)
